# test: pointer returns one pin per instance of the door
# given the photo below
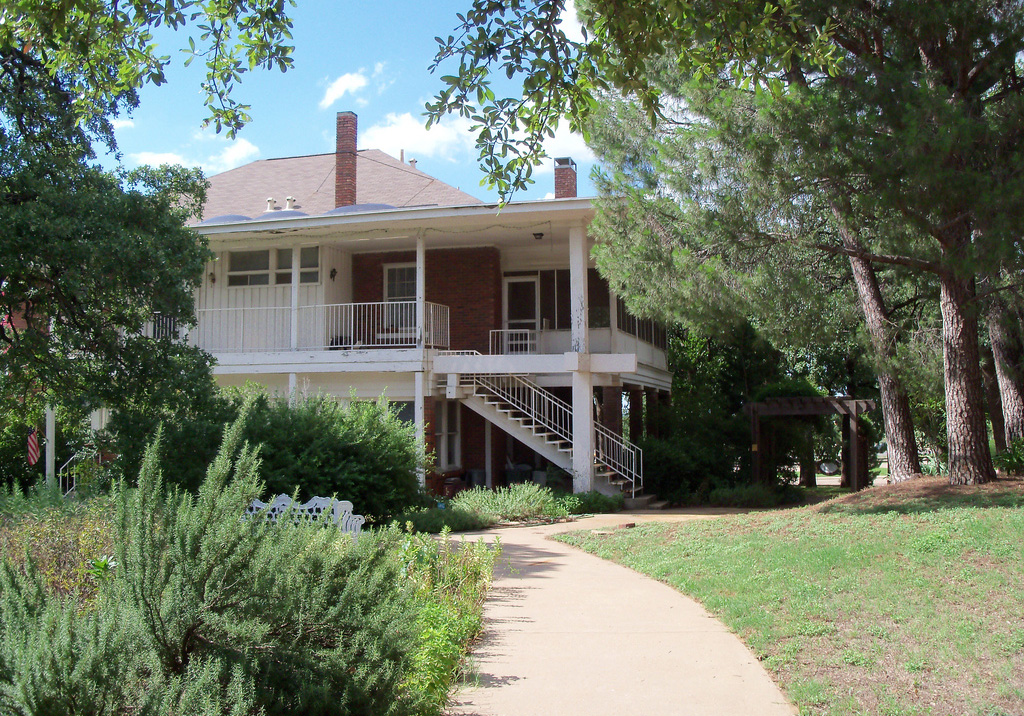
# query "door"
(522, 315)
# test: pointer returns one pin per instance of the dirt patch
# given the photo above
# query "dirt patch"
(925, 493)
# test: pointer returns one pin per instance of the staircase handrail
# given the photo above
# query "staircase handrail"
(611, 450)
(618, 453)
(533, 401)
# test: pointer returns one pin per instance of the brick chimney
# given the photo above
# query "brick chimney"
(345, 160)
(565, 178)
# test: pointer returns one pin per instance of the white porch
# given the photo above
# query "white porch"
(339, 326)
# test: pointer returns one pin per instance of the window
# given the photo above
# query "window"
(309, 265)
(449, 454)
(400, 282)
(248, 268)
(253, 268)
(405, 409)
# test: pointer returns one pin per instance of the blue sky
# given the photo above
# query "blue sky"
(370, 58)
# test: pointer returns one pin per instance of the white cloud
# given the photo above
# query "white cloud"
(570, 24)
(158, 158)
(564, 144)
(450, 140)
(236, 153)
(378, 69)
(348, 83)
(122, 123)
(227, 154)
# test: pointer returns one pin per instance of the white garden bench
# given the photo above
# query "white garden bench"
(341, 511)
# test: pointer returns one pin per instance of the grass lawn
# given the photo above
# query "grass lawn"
(905, 599)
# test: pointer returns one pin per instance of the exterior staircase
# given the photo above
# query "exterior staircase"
(543, 423)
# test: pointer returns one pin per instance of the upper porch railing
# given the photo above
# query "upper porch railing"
(338, 326)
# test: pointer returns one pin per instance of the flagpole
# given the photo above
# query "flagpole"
(51, 447)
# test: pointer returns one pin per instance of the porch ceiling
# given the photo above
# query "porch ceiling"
(396, 230)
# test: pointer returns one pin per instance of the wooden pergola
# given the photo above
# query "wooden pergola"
(854, 457)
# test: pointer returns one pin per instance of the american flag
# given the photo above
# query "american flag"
(33, 446)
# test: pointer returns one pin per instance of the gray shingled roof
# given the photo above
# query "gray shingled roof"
(380, 179)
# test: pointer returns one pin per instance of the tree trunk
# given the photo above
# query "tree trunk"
(1008, 351)
(901, 443)
(995, 403)
(970, 462)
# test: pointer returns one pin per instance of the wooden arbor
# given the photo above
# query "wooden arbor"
(855, 462)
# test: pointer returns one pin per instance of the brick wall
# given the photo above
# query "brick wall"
(468, 281)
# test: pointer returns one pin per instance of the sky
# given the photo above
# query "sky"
(369, 58)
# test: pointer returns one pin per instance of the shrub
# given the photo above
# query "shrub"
(521, 501)
(595, 502)
(360, 451)
(202, 612)
(1011, 460)
(753, 496)
(434, 520)
(314, 445)
(61, 541)
(671, 471)
(453, 584)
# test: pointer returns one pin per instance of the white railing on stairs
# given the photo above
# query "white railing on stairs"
(554, 416)
(620, 455)
(67, 475)
(551, 414)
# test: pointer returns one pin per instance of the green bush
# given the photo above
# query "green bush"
(453, 584)
(1011, 460)
(673, 472)
(314, 445)
(203, 612)
(60, 538)
(594, 502)
(435, 519)
(753, 496)
(360, 451)
(521, 501)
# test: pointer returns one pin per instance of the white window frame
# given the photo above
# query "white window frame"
(272, 271)
(447, 435)
(392, 299)
(248, 274)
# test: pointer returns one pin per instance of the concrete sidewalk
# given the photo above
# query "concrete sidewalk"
(569, 633)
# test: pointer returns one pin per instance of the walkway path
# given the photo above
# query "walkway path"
(567, 633)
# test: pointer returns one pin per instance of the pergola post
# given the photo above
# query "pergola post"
(846, 480)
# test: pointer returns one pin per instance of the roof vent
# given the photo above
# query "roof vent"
(289, 203)
(270, 203)
(412, 163)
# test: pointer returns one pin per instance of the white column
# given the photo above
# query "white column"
(488, 455)
(582, 379)
(579, 260)
(292, 384)
(421, 290)
(51, 447)
(582, 430)
(295, 303)
(419, 418)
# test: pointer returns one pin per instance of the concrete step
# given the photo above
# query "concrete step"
(643, 502)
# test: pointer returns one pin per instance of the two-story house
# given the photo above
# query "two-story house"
(355, 273)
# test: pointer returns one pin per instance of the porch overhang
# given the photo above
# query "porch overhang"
(388, 360)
